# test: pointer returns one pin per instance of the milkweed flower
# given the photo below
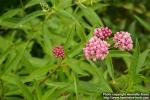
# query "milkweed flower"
(96, 49)
(58, 51)
(102, 32)
(123, 41)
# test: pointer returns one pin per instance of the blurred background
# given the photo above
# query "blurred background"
(128, 15)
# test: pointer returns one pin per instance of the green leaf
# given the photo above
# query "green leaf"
(132, 29)
(80, 32)
(145, 24)
(58, 84)
(63, 97)
(102, 82)
(16, 80)
(76, 87)
(5, 44)
(48, 93)
(37, 62)
(32, 3)
(65, 4)
(133, 66)
(69, 37)
(118, 53)
(38, 91)
(38, 72)
(66, 14)
(91, 71)
(31, 16)
(91, 16)
(110, 68)
(141, 60)
(3, 56)
(141, 88)
(75, 66)
(76, 50)
(10, 13)
(79, 28)
(47, 43)
(13, 25)
(14, 62)
(89, 87)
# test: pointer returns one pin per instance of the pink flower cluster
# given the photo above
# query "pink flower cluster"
(96, 49)
(58, 51)
(123, 41)
(102, 33)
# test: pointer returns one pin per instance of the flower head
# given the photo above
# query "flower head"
(96, 49)
(58, 51)
(123, 41)
(102, 32)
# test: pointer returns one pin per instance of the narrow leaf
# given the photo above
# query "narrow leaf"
(16, 80)
(118, 53)
(10, 13)
(143, 23)
(110, 66)
(91, 16)
(31, 16)
(141, 60)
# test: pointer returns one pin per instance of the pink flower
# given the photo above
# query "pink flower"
(123, 41)
(58, 51)
(96, 49)
(102, 32)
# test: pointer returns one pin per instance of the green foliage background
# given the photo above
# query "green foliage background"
(29, 29)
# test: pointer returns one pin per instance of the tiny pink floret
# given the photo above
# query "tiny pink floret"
(102, 32)
(123, 41)
(96, 49)
(58, 51)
